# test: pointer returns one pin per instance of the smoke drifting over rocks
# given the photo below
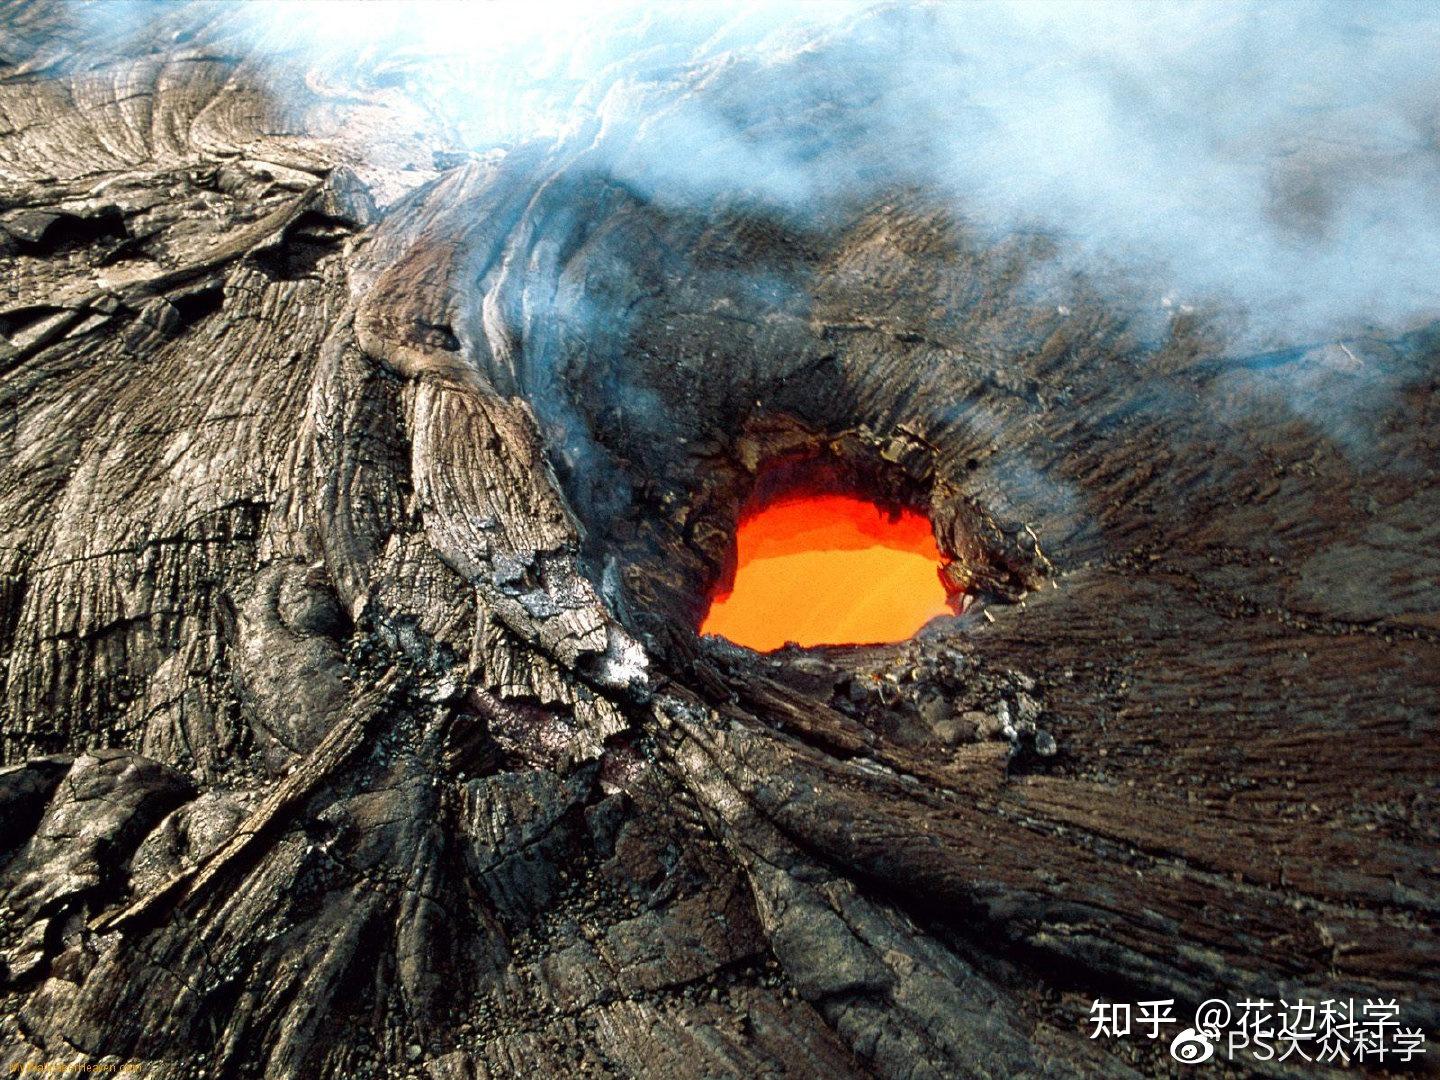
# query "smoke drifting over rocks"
(1277, 159)
(1269, 172)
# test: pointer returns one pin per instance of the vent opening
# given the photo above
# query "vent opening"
(829, 569)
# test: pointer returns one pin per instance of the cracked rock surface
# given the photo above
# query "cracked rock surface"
(352, 714)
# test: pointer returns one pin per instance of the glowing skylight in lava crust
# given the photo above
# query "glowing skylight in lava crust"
(829, 570)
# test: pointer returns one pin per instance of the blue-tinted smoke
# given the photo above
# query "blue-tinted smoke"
(1278, 157)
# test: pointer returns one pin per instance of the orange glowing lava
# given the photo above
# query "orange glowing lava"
(829, 570)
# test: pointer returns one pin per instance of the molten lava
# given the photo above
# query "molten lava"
(829, 570)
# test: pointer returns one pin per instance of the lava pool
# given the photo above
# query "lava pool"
(829, 570)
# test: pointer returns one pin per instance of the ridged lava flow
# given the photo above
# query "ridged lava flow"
(829, 570)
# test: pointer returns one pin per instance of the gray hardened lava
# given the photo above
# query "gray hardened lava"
(359, 508)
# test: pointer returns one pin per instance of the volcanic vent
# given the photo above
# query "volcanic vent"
(829, 569)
